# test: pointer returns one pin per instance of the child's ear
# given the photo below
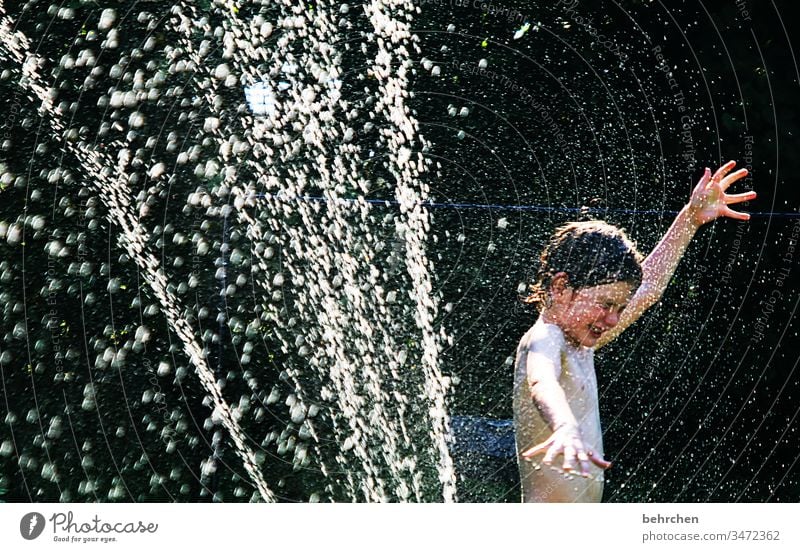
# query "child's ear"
(559, 284)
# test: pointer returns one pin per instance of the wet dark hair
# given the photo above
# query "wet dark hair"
(591, 253)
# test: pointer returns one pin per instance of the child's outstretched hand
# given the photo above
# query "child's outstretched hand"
(567, 441)
(709, 200)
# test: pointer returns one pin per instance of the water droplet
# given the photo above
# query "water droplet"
(107, 19)
(157, 170)
(222, 71)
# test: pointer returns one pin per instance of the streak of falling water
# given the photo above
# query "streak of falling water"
(352, 315)
(111, 181)
(334, 261)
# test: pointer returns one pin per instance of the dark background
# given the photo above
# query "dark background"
(699, 399)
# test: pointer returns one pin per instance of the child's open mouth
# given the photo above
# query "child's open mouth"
(595, 332)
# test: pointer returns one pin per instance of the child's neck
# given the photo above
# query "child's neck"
(550, 315)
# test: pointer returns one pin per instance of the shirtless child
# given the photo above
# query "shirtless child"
(591, 285)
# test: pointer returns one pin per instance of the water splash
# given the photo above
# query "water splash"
(352, 316)
(111, 181)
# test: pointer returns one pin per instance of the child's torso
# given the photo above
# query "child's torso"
(578, 380)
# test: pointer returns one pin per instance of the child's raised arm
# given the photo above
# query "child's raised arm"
(543, 370)
(707, 202)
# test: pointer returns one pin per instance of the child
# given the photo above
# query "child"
(591, 285)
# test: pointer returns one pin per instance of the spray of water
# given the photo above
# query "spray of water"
(352, 315)
(111, 181)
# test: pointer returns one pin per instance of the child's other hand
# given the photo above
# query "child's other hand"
(567, 441)
(709, 200)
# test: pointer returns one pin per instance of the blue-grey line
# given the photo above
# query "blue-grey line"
(535, 208)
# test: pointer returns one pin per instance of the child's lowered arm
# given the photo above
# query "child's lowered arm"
(549, 398)
(707, 202)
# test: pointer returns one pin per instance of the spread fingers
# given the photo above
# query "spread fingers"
(583, 458)
(738, 198)
(733, 177)
(598, 460)
(730, 213)
(538, 449)
(569, 458)
(723, 170)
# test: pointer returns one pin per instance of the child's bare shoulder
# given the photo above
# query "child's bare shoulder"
(543, 337)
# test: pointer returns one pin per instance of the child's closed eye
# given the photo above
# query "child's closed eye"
(611, 306)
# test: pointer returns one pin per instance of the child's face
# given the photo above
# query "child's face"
(585, 314)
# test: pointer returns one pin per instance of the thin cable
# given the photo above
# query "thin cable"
(533, 208)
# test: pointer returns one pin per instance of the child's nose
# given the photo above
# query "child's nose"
(612, 318)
